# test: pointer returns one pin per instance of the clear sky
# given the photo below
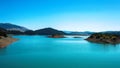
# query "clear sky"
(73, 15)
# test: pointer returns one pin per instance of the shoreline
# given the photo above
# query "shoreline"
(6, 41)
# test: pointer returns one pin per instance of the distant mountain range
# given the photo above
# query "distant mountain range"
(44, 31)
(78, 33)
(112, 32)
(12, 27)
(19, 30)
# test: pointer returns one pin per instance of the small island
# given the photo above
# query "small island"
(56, 36)
(5, 39)
(104, 38)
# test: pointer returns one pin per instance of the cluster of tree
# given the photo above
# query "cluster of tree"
(104, 38)
(3, 32)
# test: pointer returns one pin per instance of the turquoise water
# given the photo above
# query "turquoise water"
(43, 52)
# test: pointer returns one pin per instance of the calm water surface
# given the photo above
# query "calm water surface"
(43, 52)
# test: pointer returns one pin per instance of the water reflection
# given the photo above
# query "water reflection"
(104, 47)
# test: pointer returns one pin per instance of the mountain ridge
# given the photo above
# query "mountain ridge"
(13, 27)
(20, 30)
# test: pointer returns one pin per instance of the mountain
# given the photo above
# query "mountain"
(48, 31)
(12, 27)
(29, 32)
(2, 29)
(112, 32)
(78, 33)
(19, 30)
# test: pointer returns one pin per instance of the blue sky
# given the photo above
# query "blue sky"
(73, 15)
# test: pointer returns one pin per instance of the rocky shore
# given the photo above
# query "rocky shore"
(104, 38)
(6, 41)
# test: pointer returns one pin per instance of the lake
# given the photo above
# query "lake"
(43, 52)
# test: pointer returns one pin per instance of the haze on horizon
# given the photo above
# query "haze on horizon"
(69, 15)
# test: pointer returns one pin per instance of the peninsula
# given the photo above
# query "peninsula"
(104, 38)
(5, 39)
